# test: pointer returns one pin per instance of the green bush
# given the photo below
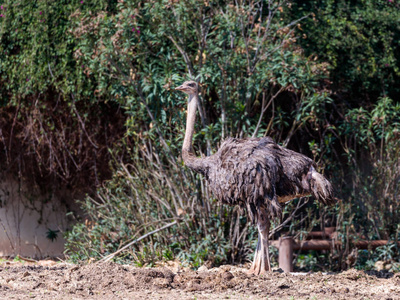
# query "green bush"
(375, 169)
(359, 41)
(54, 128)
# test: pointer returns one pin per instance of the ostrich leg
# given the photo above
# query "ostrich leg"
(261, 263)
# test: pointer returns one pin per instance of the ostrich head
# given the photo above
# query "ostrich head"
(189, 87)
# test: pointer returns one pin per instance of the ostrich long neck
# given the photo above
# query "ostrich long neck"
(188, 155)
(190, 121)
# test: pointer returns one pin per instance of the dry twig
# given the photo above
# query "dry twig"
(111, 256)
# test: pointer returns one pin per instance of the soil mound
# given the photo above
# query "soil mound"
(113, 281)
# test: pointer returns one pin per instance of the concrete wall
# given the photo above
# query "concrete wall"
(25, 217)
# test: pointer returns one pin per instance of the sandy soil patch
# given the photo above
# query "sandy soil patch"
(112, 281)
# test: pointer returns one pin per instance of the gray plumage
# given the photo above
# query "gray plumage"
(257, 172)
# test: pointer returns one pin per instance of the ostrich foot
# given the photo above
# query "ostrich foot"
(261, 263)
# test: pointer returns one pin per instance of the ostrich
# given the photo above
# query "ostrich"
(255, 173)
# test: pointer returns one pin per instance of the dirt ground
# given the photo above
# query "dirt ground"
(51, 280)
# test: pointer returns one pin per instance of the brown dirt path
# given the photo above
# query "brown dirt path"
(113, 281)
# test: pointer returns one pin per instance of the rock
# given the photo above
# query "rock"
(227, 276)
(379, 265)
(214, 270)
(388, 266)
(46, 263)
(277, 270)
(203, 268)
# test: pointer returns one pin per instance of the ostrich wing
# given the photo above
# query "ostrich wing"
(257, 173)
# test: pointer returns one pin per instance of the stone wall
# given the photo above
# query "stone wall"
(26, 216)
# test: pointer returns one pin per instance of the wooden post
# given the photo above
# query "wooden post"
(286, 253)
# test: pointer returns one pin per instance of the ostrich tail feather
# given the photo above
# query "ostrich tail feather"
(321, 188)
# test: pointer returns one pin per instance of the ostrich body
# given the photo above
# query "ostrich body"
(255, 173)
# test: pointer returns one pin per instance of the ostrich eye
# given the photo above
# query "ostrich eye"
(191, 84)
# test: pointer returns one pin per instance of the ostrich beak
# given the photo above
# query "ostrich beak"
(180, 88)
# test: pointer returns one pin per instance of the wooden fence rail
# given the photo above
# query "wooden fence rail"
(286, 245)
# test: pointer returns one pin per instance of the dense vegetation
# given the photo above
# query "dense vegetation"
(87, 95)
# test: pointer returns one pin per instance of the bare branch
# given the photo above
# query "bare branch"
(292, 215)
(264, 109)
(184, 54)
(81, 122)
(111, 256)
